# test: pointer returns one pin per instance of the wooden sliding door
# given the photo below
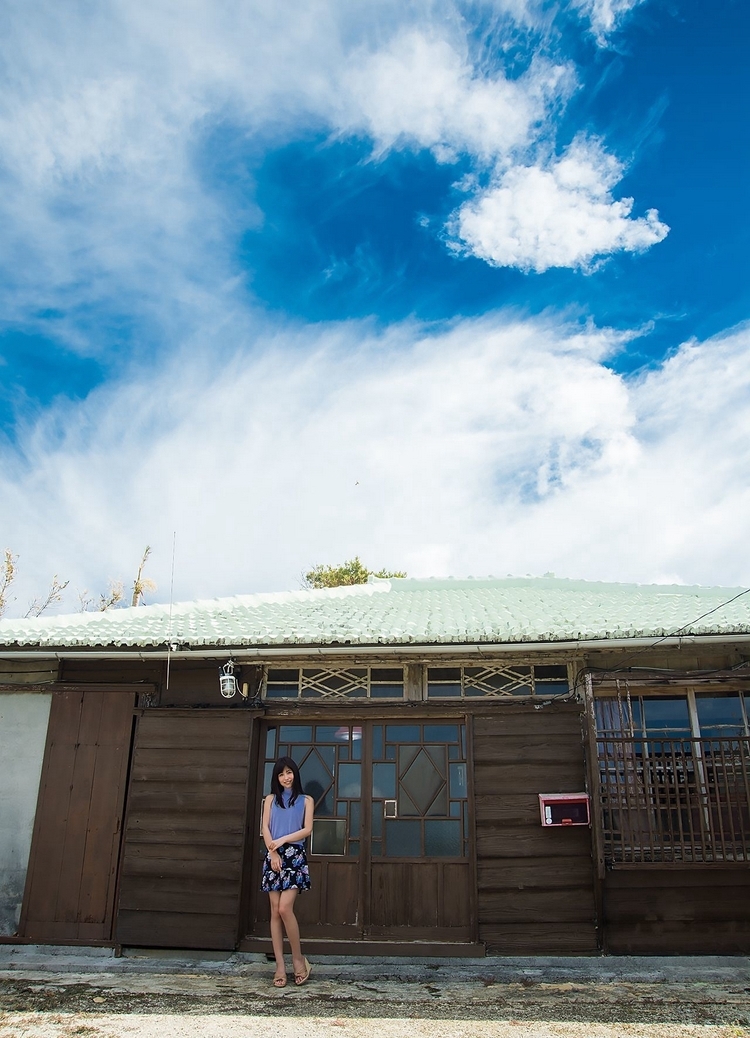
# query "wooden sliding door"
(181, 874)
(70, 885)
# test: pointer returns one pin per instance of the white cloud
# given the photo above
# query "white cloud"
(605, 16)
(422, 91)
(486, 447)
(558, 215)
(105, 114)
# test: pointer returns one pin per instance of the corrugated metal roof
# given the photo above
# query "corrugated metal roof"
(403, 612)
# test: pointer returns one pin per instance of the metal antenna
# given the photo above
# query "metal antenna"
(171, 598)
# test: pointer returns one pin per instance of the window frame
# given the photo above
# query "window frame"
(352, 677)
(512, 691)
(668, 797)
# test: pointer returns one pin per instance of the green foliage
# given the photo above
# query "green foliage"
(351, 572)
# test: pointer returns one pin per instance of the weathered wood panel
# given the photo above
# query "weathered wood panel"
(159, 733)
(112, 671)
(549, 747)
(562, 776)
(185, 831)
(456, 895)
(28, 672)
(342, 887)
(75, 851)
(537, 905)
(555, 938)
(517, 722)
(558, 873)
(426, 896)
(158, 763)
(535, 885)
(678, 911)
(532, 841)
(174, 929)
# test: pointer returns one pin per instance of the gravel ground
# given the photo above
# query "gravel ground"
(59, 997)
(58, 1025)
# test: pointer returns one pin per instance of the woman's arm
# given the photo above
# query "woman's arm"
(270, 843)
(300, 834)
(265, 825)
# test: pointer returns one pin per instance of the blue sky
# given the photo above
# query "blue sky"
(457, 285)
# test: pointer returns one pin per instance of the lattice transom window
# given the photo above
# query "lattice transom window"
(334, 683)
(496, 681)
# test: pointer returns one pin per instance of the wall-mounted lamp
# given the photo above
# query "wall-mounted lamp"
(229, 684)
(227, 680)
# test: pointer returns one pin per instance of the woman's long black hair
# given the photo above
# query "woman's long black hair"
(277, 789)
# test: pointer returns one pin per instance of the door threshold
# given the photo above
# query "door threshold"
(376, 946)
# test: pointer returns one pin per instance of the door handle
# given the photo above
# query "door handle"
(390, 809)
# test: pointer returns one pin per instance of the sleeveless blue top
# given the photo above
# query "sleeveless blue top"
(288, 819)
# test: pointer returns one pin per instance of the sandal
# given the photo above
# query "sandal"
(301, 978)
(279, 981)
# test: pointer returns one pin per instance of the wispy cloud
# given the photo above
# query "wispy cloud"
(105, 116)
(605, 16)
(497, 444)
(487, 446)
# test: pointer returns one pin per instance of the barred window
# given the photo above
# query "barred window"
(334, 683)
(674, 778)
(496, 680)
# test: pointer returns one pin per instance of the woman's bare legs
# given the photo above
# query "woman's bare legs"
(283, 918)
(277, 934)
(286, 911)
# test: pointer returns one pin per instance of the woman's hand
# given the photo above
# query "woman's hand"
(275, 844)
(275, 861)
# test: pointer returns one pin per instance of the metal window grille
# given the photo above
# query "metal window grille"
(333, 683)
(496, 681)
(679, 800)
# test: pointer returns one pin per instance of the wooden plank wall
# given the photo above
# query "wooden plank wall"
(185, 830)
(536, 885)
(678, 911)
(72, 873)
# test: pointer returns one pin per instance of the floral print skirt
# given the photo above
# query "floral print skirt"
(294, 874)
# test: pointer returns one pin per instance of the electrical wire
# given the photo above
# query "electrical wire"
(622, 665)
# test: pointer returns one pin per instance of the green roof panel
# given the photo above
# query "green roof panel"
(404, 612)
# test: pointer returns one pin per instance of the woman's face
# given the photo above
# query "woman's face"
(286, 778)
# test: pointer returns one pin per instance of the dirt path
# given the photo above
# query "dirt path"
(137, 998)
(84, 1025)
(195, 1005)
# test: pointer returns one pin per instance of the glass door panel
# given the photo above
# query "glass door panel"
(330, 765)
(420, 800)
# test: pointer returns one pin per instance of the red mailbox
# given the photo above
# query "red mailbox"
(564, 809)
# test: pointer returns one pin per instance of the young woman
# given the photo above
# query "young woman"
(287, 822)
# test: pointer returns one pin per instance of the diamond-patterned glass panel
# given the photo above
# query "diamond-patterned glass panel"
(316, 779)
(417, 811)
(422, 781)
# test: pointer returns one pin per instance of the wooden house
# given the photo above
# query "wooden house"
(457, 737)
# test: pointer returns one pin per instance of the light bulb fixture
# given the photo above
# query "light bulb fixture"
(227, 680)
